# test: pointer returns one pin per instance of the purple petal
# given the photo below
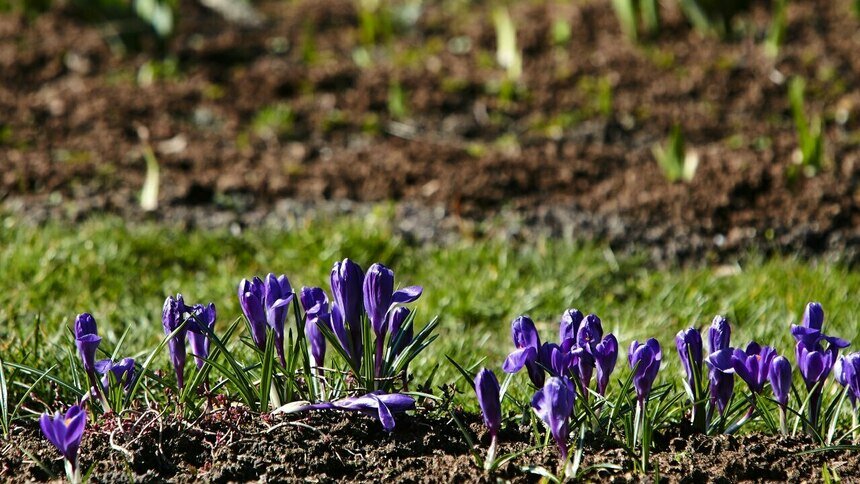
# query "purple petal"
(516, 360)
(384, 414)
(406, 295)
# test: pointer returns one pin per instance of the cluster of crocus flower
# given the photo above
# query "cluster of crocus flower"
(87, 341)
(65, 432)
(358, 298)
(193, 322)
(582, 349)
(362, 305)
(757, 365)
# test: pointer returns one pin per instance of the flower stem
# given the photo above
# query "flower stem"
(380, 342)
(783, 426)
(814, 408)
(698, 417)
(96, 388)
(73, 472)
(491, 454)
(274, 397)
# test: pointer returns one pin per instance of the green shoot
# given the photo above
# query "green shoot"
(778, 27)
(809, 157)
(507, 54)
(673, 159)
(631, 13)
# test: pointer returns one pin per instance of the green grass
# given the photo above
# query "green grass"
(122, 274)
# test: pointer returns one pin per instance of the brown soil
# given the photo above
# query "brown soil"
(234, 446)
(71, 112)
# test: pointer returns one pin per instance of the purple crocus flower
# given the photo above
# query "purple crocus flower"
(171, 320)
(396, 322)
(315, 303)
(123, 372)
(87, 340)
(719, 334)
(65, 432)
(779, 374)
(810, 333)
(199, 329)
(378, 290)
(379, 298)
(383, 406)
(347, 278)
(277, 296)
(814, 364)
(644, 359)
(487, 389)
(689, 345)
(251, 299)
(590, 331)
(527, 343)
(847, 371)
(553, 404)
(589, 334)
(554, 359)
(605, 356)
(722, 377)
(814, 360)
(569, 327)
(753, 364)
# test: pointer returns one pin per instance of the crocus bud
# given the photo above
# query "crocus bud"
(202, 324)
(527, 343)
(251, 301)
(719, 334)
(315, 303)
(753, 364)
(644, 359)
(569, 327)
(779, 375)
(277, 296)
(553, 404)
(689, 345)
(65, 431)
(605, 356)
(87, 340)
(487, 389)
(347, 278)
(85, 324)
(171, 320)
(813, 316)
(722, 377)
(378, 289)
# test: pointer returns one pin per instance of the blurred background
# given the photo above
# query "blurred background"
(693, 130)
